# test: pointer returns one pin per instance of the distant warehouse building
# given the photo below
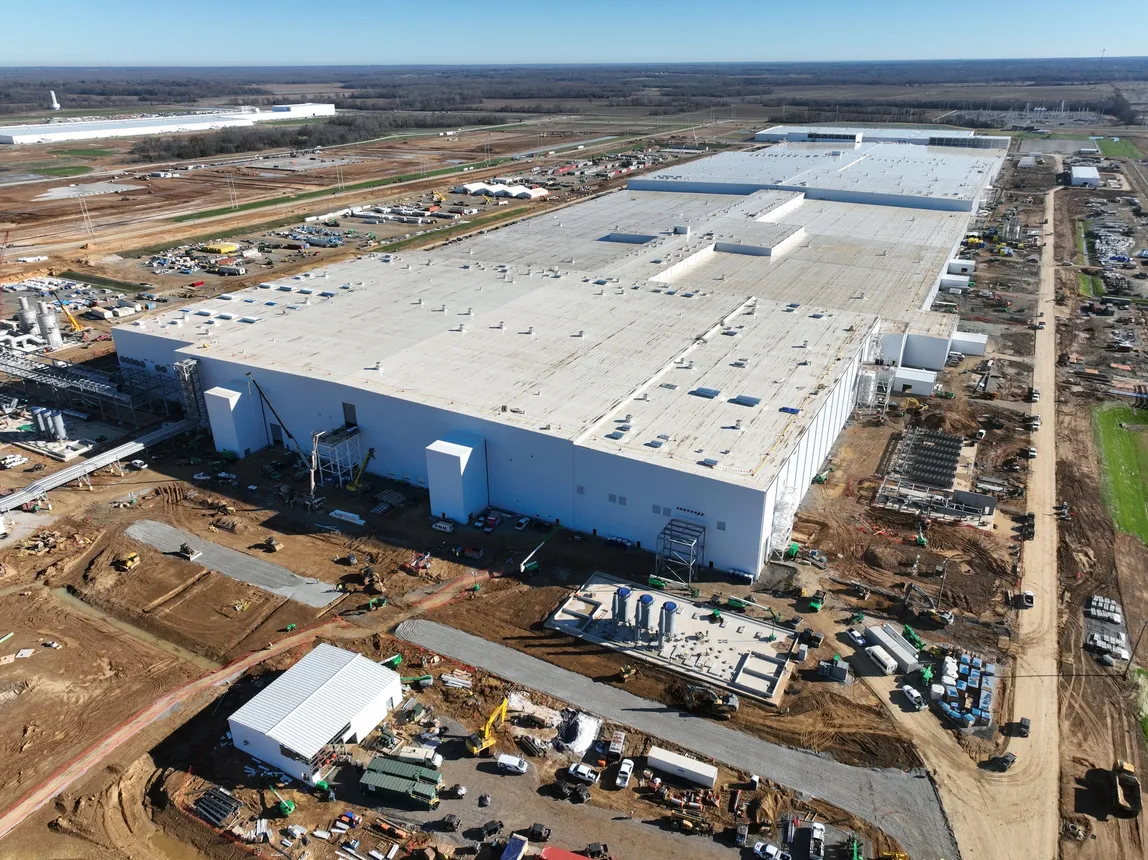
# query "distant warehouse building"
(670, 365)
(1086, 176)
(949, 137)
(57, 131)
(329, 697)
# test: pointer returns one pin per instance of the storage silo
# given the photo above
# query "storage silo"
(667, 625)
(25, 316)
(38, 417)
(644, 604)
(49, 326)
(60, 432)
(622, 606)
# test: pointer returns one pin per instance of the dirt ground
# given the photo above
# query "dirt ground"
(56, 701)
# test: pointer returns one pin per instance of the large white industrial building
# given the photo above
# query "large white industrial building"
(670, 364)
(330, 697)
(56, 131)
(949, 137)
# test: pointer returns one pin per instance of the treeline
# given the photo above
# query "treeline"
(338, 130)
(31, 94)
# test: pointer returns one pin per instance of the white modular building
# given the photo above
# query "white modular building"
(1085, 175)
(683, 767)
(330, 697)
(677, 358)
(56, 131)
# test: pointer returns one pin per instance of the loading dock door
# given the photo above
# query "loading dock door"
(276, 434)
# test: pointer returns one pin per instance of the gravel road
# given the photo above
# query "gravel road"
(903, 804)
(232, 563)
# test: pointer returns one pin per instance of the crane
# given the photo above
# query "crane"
(307, 464)
(71, 319)
(484, 739)
(355, 484)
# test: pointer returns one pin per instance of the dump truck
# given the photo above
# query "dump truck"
(1126, 798)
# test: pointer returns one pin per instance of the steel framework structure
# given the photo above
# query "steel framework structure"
(681, 548)
(66, 384)
(191, 391)
(338, 455)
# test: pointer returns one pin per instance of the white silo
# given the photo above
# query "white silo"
(60, 432)
(49, 326)
(25, 316)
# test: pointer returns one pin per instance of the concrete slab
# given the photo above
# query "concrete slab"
(232, 563)
(746, 655)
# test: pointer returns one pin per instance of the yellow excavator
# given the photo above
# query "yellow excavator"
(484, 740)
(356, 482)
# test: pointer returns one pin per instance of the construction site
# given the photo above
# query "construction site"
(884, 675)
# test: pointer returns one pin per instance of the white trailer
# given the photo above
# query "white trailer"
(689, 769)
(424, 756)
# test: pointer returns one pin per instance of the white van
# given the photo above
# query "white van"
(512, 764)
(881, 659)
(443, 526)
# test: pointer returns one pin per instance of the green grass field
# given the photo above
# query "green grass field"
(83, 153)
(73, 170)
(1122, 148)
(1124, 457)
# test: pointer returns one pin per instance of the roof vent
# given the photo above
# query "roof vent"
(707, 393)
(709, 462)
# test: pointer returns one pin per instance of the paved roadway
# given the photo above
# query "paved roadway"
(93, 755)
(237, 565)
(903, 804)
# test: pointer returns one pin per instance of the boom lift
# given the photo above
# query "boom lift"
(298, 448)
(356, 482)
(71, 319)
(484, 740)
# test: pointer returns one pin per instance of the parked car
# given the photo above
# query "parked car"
(512, 764)
(1023, 727)
(1004, 762)
(491, 828)
(1032, 453)
(583, 773)
(740, 835)
(770, 851)
(915, 698)
(855, 637)
(625, 771)
(522, 523)
(1027, 600)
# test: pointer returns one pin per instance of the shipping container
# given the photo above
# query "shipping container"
(686, 768)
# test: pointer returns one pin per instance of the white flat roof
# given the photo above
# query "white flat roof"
(306, 706)
(870, 132)
(930, 173)
(1085, 171)
(673, 308)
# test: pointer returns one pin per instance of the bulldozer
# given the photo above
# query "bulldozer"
(129, 561)
(187, 551)
(625, 673)
(270, 544)
(698, 697)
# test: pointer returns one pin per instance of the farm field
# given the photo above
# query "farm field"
(1124, 457)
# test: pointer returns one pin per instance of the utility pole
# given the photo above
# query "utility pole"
(1132, 656)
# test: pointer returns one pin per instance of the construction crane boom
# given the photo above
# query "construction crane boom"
(67, 313)
(290, 435)
(353, 487)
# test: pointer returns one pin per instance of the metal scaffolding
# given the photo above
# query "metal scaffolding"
(784, 511)
(681, 548)
(73, 387)
(338, 455)
(191, 391)
(154, 392)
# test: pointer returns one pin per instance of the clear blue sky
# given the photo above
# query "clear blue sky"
(291, 32)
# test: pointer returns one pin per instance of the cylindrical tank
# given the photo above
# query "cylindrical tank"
(668, 624)
(936, 692)
(38, 417)
(644, 604)
(622, 605)
(61, 432)
(49, 327)
(25, 316)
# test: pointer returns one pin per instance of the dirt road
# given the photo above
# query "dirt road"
(981, 803)
(903, 804)
(96, 753)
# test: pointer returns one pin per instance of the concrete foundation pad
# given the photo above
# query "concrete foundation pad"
(749, 656)
(229, 562)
